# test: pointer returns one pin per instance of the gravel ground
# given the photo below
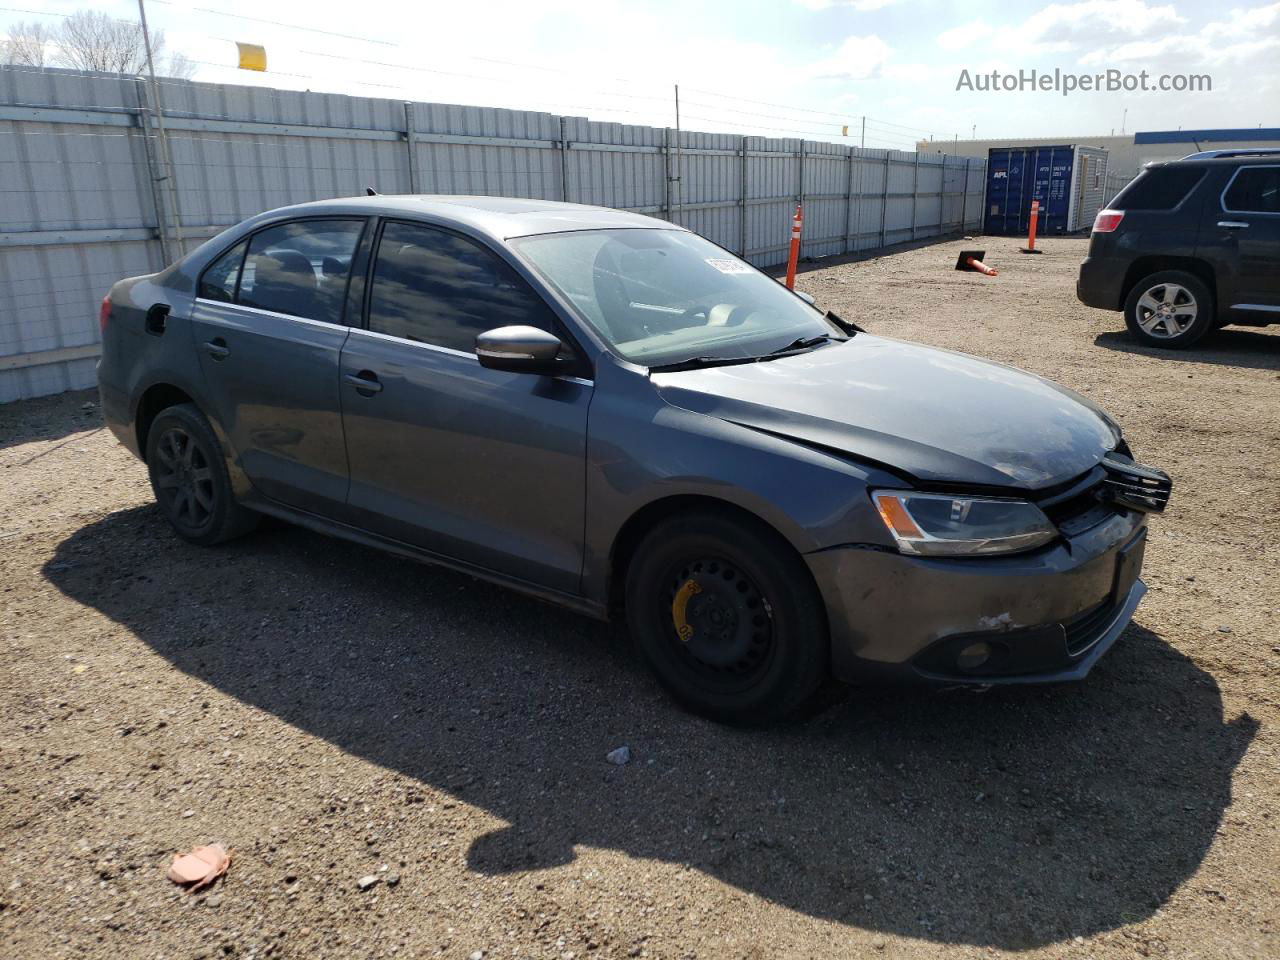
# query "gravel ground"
(331, 713)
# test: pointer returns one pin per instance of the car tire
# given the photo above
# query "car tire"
(1172, 309)
(189, 478)
(728, 618)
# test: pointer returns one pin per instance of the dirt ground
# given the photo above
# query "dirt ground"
(331, 713)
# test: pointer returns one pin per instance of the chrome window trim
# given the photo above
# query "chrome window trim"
(450, 351)
(1222, 197)
(274, 313)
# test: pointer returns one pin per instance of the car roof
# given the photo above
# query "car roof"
(499, 217)
(1236, 160)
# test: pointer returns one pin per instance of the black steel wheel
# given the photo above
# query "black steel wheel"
(189, 478)
(728, 618)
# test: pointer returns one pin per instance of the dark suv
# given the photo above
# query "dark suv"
(1190, 245)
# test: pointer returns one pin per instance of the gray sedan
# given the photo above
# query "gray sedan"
(611, 413)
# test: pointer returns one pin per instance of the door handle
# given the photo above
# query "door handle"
(217, 349)
(365, 382)
(1233, 224)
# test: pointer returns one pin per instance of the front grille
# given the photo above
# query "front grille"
(1087, 629)
(1135, 486)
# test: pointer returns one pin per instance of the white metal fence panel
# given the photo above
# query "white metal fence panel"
(88, 196)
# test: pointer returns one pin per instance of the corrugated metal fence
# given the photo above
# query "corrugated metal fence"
(86, 200)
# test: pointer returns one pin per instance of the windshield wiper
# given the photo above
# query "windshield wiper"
(847, 326)
(804, 343)
(694, 363)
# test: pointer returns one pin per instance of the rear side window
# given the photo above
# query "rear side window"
(300, 268)
(1160, 189)
(439, 288)
(219, 279)
(1254, 190)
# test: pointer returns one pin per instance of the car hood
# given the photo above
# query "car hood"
(932, 414)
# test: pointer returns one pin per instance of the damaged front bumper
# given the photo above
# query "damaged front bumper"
(1039, 617)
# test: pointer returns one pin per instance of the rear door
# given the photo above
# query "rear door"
(1249, 224)
(268, 327)
(478, 465)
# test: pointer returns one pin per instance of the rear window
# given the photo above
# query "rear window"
(1160, 189)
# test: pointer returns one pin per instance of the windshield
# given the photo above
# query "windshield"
(666, 296)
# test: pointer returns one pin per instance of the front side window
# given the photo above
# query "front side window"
(436, 287)
(665, 296)
(300, 268)
(219, 280)
(1254, 190)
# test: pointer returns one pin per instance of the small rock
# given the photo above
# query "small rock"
(188, 813)
(88, 406)
(1224, 629)
(393, 879)
(477, 955)
(364, 883)
(213, 901)
(619, 757)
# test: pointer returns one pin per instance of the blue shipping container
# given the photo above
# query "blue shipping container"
(1018, 175)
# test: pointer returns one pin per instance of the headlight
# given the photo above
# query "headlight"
(933, 524)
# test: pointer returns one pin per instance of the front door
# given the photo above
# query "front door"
(268, 327)
(474, 464)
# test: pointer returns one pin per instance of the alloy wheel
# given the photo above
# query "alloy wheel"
(184, 479)
(1166, 310)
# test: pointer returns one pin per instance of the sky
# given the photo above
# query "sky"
(768, 67)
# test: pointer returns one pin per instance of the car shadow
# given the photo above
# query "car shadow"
(1011, 819)
(1230, 346)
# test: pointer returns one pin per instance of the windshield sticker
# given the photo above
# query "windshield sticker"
(729, 266)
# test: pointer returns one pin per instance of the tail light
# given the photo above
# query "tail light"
(104, 313)
(1107, 220)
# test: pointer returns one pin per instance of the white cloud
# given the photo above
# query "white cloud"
(856, 59)
(862, 6)
(1245, 34)
(962, 36)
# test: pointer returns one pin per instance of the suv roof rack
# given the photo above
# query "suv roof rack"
(1238, 152)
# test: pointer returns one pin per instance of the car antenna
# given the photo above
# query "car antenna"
(370, 192)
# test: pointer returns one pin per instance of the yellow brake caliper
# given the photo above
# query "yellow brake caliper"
(678, 605)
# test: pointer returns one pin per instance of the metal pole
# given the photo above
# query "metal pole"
(742, 227)
(153, 172)
(666, 180)
(679, 171)
(848, 204)
(884, 205)
(915, 195)
(863, 142)
(411, 140)
(165, 157)
(800, 196)
(564, 160)
(964, 204)
(942, 197)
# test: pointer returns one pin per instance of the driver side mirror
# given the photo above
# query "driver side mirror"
(519, 349)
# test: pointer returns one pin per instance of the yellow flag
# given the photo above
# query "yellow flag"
(844, 131)
(252, 57)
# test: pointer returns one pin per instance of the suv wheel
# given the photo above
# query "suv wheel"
(189, 478)
(1169, 309)
(728, 618)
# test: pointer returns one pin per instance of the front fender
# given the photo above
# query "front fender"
(641, 450)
